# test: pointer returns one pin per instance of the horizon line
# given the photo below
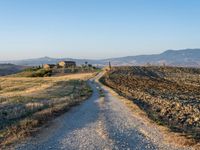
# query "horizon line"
(98, 58)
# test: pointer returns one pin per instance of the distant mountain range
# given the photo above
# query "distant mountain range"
(186, 57)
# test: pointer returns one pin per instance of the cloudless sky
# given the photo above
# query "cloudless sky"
(96, 28)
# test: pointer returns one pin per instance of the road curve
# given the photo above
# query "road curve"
(100, 123)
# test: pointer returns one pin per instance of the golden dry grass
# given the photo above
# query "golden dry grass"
(15, 86)
(36, 100)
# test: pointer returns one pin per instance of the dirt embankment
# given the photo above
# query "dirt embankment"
(169, 95)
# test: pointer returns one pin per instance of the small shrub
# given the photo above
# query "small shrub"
(35, 72)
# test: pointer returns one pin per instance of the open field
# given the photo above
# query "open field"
(26, 103)
(169, 95)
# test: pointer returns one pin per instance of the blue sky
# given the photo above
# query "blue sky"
(96, 28)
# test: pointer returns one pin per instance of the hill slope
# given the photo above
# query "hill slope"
(7, 69)
(187, 57)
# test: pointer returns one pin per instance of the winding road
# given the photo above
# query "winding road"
(99, 123)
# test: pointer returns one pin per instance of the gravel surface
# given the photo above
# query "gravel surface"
(100, 123)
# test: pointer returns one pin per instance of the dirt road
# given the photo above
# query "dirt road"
(98, 123)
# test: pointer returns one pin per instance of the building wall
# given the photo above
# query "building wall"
(61, 64)
(46, 66)
(67, 64)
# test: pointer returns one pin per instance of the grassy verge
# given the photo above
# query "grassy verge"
(26, 104)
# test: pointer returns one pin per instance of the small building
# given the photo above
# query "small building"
(49, 66)
(67, 64)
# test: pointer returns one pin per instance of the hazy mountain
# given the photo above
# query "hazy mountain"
(7, 69)
(48, 60)
(186, 57)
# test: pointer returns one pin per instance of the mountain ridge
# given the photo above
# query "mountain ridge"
(184, 57)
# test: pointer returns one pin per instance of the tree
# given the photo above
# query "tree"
(110, 65)
(89, 65)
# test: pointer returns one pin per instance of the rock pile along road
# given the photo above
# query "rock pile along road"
(99, 123)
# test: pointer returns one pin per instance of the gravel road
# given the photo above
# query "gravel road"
(100, 123)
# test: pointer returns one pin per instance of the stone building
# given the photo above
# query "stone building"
(49, 66)
(67, 64)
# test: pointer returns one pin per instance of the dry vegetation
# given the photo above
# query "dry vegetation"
(27, 103)
(169, 95)
(42, 72)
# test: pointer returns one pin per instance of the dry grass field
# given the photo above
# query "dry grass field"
(27, 103)
(169, 95)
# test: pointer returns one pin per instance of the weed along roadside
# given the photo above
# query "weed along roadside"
(27, 104)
